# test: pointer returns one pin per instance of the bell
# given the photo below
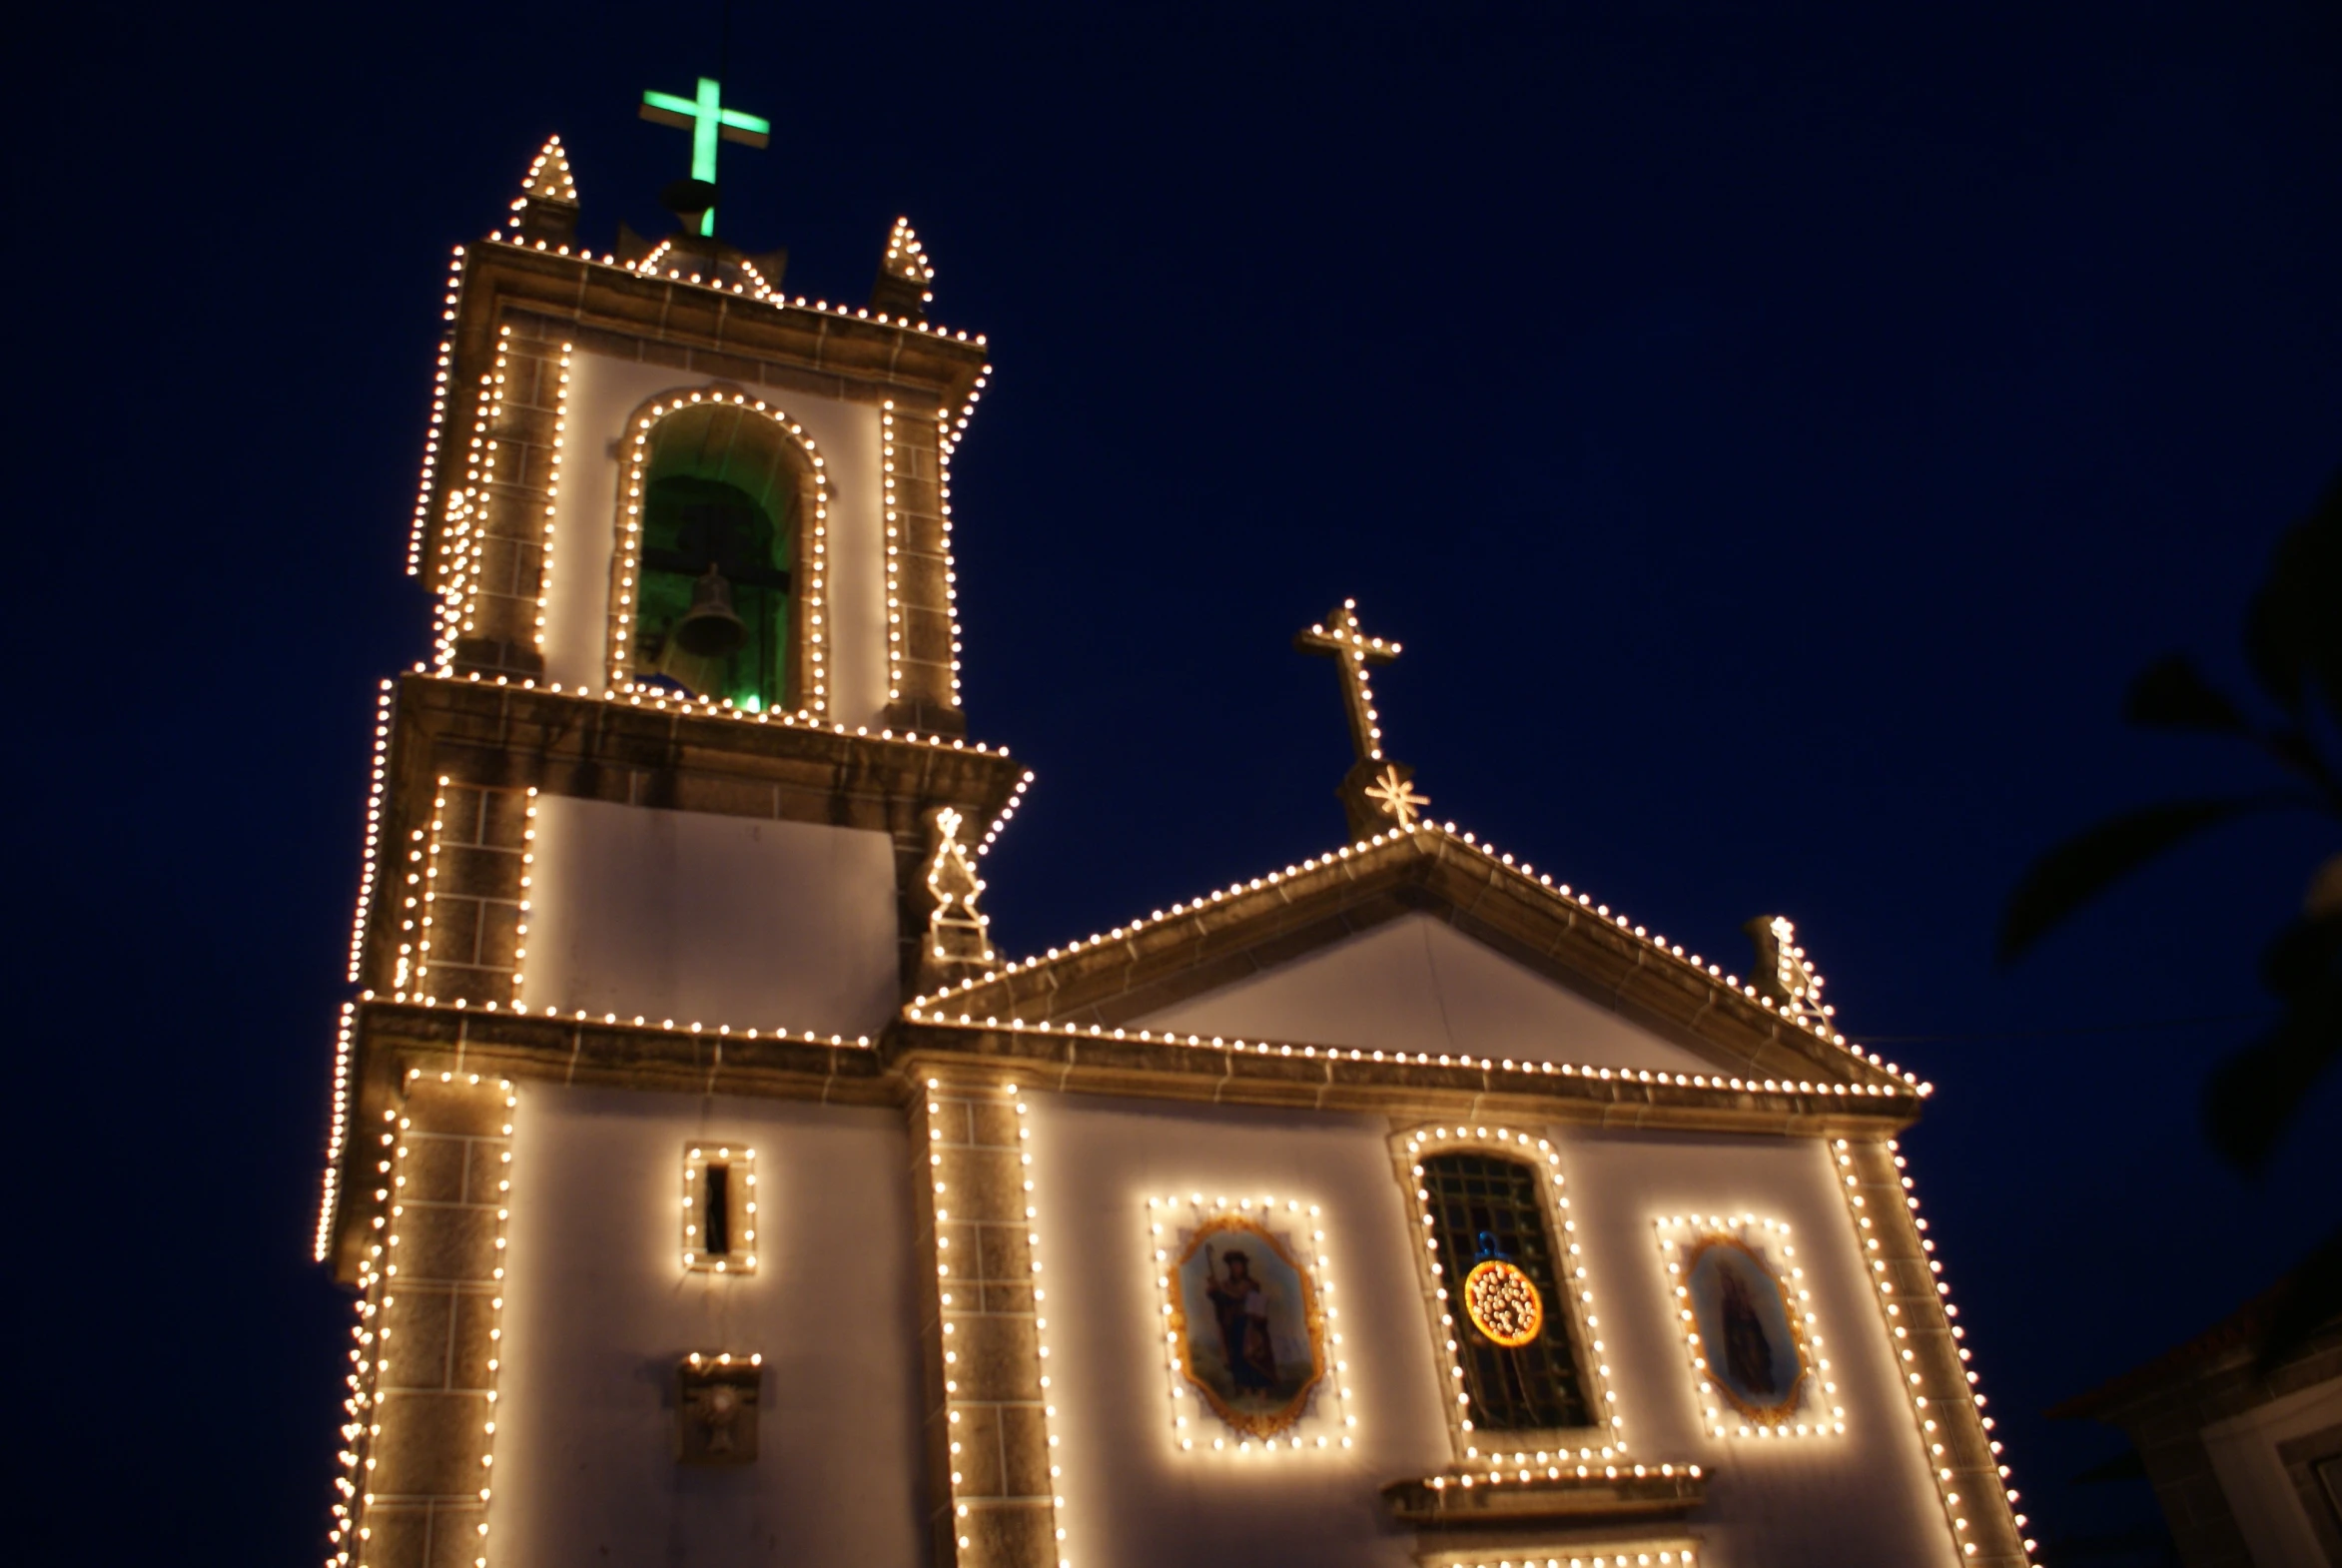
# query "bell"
(709, 629)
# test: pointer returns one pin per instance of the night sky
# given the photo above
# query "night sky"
(1777, 439)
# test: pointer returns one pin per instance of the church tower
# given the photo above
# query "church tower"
(714, 1193)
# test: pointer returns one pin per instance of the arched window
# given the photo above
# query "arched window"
(714, 611)
(1485, 1209)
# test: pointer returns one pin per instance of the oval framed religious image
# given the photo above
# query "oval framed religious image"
(1749, 1328)
(1246, 1323)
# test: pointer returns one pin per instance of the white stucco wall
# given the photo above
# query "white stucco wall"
(1132, 1497)
(1135, 1499)
(1857, 1500)
(711, 918)
(599, 1308)
(603, 394)
(1415, 984)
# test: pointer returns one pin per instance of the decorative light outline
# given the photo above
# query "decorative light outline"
(1680, 1238)
(626, 556)
(1309, 1246)
(1955, 1509)
(741, 1259)
(1579, 1321)
(1710, 974)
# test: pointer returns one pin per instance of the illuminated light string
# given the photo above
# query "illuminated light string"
(1712, 1082)
(463, 530)
(1655, 943)
(371, 1351)
(948, 441)
(337, 1135)
(544, 565)
(1052, 1440)
(1638, 1555)
(424, 864)
(384, 706)
(886, 456)
(906, 258)
(1551, 1464)
(1312, 1260)
(630, 544)
(669, 702)
(695, 1164)
(1891, 1311)
(764, 295)
(527, 883)
(421, 527)
(1680, 1236)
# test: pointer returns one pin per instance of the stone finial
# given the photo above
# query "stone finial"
(959, 935)
(1784, 973)
(905, 285)
(547, 208)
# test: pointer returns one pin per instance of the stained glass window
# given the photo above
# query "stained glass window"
(1483, 1208)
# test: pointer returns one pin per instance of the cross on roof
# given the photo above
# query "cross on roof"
(1377, 787)
(1338, 638)
(706, 117)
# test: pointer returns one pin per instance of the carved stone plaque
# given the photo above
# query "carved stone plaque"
(717, 1399)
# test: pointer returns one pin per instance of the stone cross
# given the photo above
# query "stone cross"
(1377, 793)
(1338, 638)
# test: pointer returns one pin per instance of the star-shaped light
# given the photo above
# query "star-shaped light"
(1395, 796)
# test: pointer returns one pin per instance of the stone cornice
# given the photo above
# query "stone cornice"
(513, 735)
(706, 334)
(391, 1038)
(1322, 1078)
(1221, 940)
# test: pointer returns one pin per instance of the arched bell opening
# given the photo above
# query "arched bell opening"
(715, 608)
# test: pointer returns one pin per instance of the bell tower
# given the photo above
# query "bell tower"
(681, 806)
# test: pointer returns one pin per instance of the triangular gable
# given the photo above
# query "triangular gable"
(1417, 985)
(1228, 947)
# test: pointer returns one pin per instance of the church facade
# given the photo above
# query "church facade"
(713, 1192)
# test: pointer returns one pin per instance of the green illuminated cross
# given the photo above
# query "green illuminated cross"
(706, 117)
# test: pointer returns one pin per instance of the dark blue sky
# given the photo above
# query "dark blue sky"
(1778, 437)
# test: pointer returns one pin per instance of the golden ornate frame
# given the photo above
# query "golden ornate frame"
(1312, 1315)
(1785, 1409)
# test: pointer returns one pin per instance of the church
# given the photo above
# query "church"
(714, 1191)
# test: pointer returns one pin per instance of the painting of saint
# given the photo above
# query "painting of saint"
(1245, 1318)
(1746, 1337)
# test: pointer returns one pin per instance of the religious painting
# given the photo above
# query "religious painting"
(1743, 1322)
(1248, 1324)
(1748, 1328)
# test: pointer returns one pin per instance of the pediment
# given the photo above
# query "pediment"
(1417, 985)
(1419, 941)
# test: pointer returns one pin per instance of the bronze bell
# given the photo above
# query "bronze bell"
(710, 629)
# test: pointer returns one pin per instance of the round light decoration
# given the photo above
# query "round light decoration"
(1504, 1303)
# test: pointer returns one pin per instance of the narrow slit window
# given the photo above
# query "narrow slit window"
(1486, 1210)
(719, 1208)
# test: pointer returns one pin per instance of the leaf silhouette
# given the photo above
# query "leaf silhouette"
(2292, 634)
(2255, 1093)
(2084, 866)
(2169, 694)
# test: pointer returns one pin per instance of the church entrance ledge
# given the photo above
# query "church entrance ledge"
(1549, 1493)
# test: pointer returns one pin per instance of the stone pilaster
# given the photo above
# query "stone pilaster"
(920, 579)
(436, 1285)
(1962, 1456)
(468, 891)
(989, 1451)
(515, 468)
